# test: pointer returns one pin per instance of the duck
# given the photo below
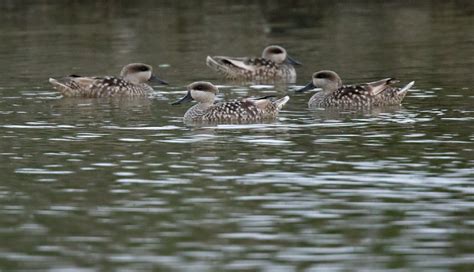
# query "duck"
(131, 82)
(334, 94)
(274, 65)
(240, 110)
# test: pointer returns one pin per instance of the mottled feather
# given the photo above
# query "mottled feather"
(130, 83)
(241, 110)
(94, 87)
(253, 68)
(334, 94)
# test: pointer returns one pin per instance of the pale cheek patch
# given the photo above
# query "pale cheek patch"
(319, 82)
(138, 77)
(144, 76)
(201, 96)
(278, 58)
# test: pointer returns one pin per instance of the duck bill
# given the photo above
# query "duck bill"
(292, 61)
(308, 87)
(186, 98)
(154, 78)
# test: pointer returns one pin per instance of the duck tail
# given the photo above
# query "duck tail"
(379, 86)
(391, 81)
(383, 82)
(264, 97)
(216, 65)
(407, 87)
(279, 103)
(61, 87)
(229, 66)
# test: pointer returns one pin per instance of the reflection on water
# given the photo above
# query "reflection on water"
(108, 184)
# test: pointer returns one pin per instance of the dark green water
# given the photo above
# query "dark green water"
(123, 185)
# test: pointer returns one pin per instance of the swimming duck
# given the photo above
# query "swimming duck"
(242, 110)
(334, 94)
(275, 64)
(132, 82)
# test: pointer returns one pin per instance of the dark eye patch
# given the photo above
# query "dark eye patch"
(139, 68)
(275, 51)
(322, 75)
(198, 87)
(142, 68)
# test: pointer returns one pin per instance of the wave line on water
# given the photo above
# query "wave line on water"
(169, 127)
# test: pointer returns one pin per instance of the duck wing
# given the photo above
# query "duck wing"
(248, 64)
(265, 102)
(377, 87)
(82, 86)
(244, 109)
(71, 85)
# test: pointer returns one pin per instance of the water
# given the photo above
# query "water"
(123, 184)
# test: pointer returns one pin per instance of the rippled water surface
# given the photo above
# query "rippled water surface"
(123, 184)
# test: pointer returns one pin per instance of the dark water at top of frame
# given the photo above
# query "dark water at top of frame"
(123, 184)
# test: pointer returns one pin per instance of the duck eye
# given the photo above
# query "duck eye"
(276, 51)
(321, 75)
(142, 68)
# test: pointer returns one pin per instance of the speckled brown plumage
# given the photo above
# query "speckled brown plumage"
(334, 94)
(274, 64)
(95, 87)
(130, 83)
(242, 110)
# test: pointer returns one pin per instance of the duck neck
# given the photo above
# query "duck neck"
(329, 88)
(131, 79)
(203, 105)
(196, 111)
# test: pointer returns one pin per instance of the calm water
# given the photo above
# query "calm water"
(124, 185)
